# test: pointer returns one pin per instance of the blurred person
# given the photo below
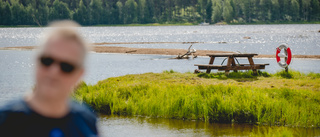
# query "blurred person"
(48, 111)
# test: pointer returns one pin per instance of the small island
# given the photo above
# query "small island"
(283, 99)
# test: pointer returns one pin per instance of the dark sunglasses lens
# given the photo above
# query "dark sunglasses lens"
(46, 61)
(66, 67)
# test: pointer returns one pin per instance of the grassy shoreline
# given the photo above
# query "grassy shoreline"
(280, 99)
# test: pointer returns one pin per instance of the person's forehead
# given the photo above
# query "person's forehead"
(62, 49)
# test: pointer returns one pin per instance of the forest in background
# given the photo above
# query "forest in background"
(97, 12)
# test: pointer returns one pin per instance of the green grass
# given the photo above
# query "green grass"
(296, 75)
(234, 75)
(240, 98)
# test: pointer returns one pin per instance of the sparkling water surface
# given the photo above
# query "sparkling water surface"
(303, 39)
(17, 67)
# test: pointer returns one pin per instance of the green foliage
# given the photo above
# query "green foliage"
(234, 75)
(313, 75)
(227, 12)
(130, 12)
(296, 74)
(95, 12)
(186, 96)
(284, 74)
(217, 11)
(170, 71)
(315, 10)
(295, 10)
(6, 14)
(81, 14)
(213, 75)
(209, 11)
(17, 12)
(59, 11)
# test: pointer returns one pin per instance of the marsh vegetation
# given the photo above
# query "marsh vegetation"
(267, 99)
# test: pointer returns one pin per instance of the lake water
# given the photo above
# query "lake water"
(145, 127)
(303, 39)
(16, 67)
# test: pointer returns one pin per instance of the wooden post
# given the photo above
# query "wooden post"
(230, 58)
(252, 65)
(210, 63)
(234, 64)
(287, 69)
(286, 58)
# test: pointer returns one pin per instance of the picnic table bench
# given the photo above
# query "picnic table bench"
(231, 65)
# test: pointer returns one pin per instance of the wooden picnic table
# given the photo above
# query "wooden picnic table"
(231, 65)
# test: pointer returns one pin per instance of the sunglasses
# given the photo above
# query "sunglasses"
(64, 66)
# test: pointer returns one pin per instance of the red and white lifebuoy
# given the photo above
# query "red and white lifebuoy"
(287, 55)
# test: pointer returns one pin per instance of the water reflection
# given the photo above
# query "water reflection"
(118, 126)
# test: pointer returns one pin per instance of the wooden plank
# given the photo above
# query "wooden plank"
(232, 54)
(244, 55)
(210, 66)
(241, 68)
(220, 55)
(205, 65)
(254, 64)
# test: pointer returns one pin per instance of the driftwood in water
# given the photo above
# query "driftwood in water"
(194, 56)
(130, 51)
(186, 55)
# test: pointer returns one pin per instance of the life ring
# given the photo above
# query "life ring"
(287, 54)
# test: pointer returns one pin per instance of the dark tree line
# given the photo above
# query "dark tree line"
(93, 12)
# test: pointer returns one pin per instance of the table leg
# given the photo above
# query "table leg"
(230, 59)
(210, 63)
(252, 65)
(234, 64)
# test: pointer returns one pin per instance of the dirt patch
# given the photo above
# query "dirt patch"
(108, 49)
(116, 43)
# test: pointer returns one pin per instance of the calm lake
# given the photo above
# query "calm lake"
(303, 39)
(16, 67)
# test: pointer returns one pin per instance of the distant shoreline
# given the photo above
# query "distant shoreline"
(169, 24)
(153, 51)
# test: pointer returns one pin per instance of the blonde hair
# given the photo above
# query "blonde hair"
(66, 30)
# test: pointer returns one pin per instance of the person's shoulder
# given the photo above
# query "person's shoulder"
(15, 106)
(12, 111)
(82, 110)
